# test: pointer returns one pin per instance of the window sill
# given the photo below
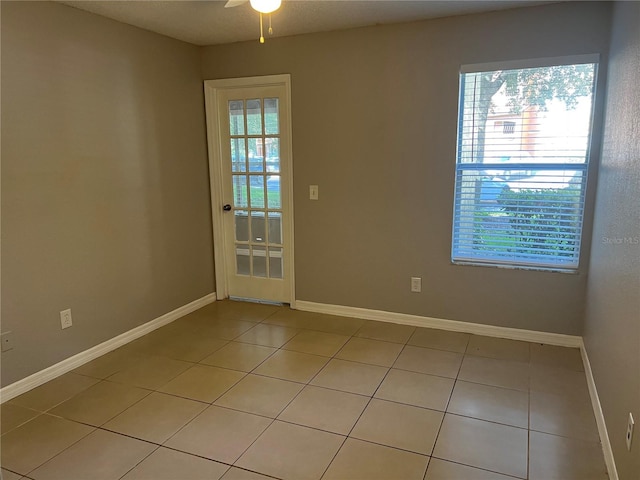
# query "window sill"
(516, 267)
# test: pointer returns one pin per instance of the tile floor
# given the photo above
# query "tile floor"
(246, 391)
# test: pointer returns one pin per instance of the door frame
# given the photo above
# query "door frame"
(211, 89)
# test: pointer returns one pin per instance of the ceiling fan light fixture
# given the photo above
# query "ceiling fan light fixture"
(265, 6)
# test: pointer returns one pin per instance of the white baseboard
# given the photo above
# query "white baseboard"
(609, 460)
(558, 339)
(60, 368)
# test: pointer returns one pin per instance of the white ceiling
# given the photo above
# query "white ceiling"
(207, 22)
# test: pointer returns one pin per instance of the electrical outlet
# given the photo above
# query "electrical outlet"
(7, 341)
(416, 284)
(629, 436)
(65, 319)
(313, 192)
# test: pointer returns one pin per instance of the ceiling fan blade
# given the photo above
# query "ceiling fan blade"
(234, 3)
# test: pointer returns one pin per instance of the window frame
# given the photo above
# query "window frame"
(583, 168)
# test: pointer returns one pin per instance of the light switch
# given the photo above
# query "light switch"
(313, 192)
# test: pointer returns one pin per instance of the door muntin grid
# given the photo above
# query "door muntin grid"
(254, 133)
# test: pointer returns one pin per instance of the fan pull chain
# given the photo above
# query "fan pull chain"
(270, 29)
(261, 33)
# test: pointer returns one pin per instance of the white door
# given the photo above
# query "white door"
(250, 158)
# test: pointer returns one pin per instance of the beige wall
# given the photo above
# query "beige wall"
(374, 125)
(612, 327)
(105, 204)
(105, 200)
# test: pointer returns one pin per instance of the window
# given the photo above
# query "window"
(508, 128)
(519, 198)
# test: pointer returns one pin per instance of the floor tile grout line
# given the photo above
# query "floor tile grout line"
(210, 404)
(174, 449)
(377, 339)
(301, 330)
(251, 471)
(273, 353)
(57, 415)
(363, 410)
(130, 435)
(204, 401)
(149, 392)
(371, 398)
(346, 437)
(333, 332)
(509, 360)
(575, 439)
(393, 447)
(60, 452)
(432, 347)
(366, 406)
(141, 460)
(475, 382)
(13, 471)
(361, 363)
(291, 422)
(396, 402)
(23, 423)
(315, 375)
(155, 389)
(282, 349)
(275, 311)
(446, 409)
(261, 415)
(161, 393)
(476, 467)
(324, 472)
(13, 402)
(424, 475)
(219, 406)
(134, 403)
(375, 364)
(273, 420)
(528, 397)
(237, 370)
(493, 422)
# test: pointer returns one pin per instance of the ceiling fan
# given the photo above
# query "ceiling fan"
(260, 6)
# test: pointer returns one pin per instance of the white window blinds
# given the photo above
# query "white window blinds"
(521, 170)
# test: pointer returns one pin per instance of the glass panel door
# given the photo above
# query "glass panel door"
(254, 133)
(249, 132)
(255, 231)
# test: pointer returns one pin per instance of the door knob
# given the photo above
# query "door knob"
(227, 208)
